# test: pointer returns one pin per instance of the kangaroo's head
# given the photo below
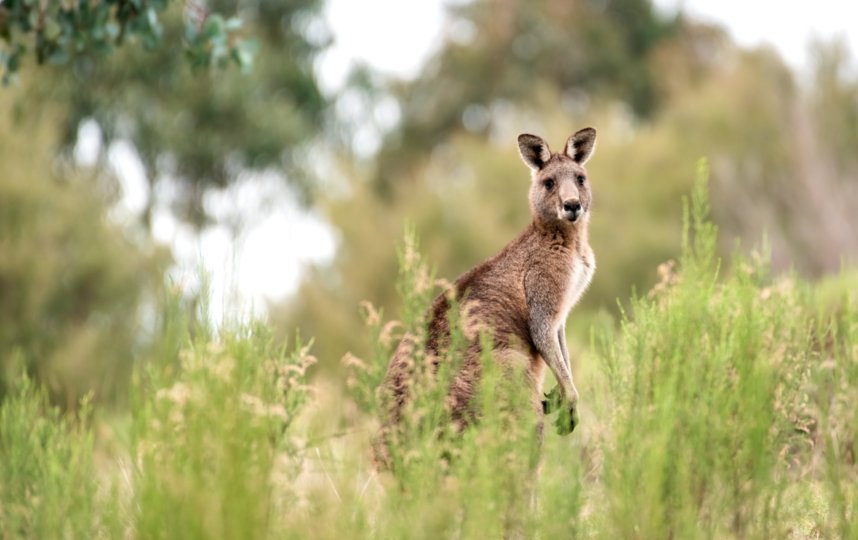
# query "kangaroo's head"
(560, 191)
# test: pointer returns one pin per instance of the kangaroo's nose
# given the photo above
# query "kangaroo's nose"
(572, 210)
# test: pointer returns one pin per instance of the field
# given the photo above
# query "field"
(723, 404)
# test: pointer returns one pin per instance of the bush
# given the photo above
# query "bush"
(72, 287)
(211, 454)
(47, 473)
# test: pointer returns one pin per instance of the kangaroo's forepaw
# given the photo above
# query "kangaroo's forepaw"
(567, 419)
(567, 413)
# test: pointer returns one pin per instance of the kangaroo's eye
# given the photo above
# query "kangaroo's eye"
(549, 184)
(580, 179)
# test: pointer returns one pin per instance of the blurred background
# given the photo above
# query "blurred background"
(283, 191)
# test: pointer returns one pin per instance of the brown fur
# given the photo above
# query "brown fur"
(521, 296)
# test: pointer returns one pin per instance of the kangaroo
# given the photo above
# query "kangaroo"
(521, 296)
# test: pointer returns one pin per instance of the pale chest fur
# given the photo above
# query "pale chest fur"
(580, 273)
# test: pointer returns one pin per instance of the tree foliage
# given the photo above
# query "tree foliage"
(56, 31)
(201, 129)
(500, 53)
(72, 285)
(77, 290)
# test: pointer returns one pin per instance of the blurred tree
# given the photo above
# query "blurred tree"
(499, 52)
(201, 129)
(834, 99)
(77, 292)
(56, 31)
(71, 284)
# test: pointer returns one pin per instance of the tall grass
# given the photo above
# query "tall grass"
(208, 437)
(46, 467)
(705, 378)
(205, 450)
(724, 404)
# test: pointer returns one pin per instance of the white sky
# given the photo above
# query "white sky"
(393, 36)
(396, 36)
(787, 25)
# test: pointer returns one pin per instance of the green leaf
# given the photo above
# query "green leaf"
(213, 26)
(112, 29)
(52, 29)
(152, 19)
(232, 24)
(59, 57)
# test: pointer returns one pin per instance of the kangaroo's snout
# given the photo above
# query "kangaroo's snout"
(571, 210)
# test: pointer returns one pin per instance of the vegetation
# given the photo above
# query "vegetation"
(57, 31)
(260, 118)
(718, 398)
(73, 287)
(724, 405)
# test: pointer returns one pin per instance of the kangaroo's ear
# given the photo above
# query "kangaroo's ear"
(581, 145)
(534, 151)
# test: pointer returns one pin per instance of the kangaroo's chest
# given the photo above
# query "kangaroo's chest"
(580, 273)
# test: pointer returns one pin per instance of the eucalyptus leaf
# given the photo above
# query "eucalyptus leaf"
(52, 29)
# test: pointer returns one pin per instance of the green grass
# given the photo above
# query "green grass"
(724, 404)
